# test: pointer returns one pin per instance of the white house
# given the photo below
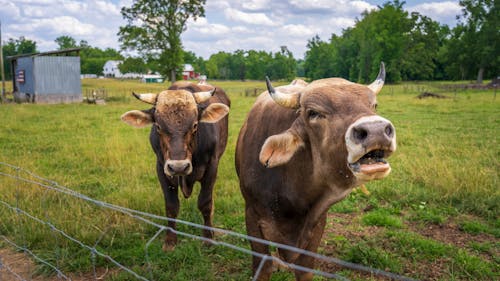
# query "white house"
(111, 69)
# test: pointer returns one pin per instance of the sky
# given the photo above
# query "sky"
(228, 25)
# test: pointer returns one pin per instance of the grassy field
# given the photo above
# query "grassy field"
(436, 217)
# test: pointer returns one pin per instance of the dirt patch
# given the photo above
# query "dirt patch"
(17, 265)
(432, 95)
(450, 233)
(348, 227)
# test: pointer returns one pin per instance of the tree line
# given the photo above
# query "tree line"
(413, 46)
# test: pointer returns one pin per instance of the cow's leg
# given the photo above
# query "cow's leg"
(308, 261)
(205, 199)
(170, 194)
(253, 229)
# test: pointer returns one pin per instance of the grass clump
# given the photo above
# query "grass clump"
(381, 217)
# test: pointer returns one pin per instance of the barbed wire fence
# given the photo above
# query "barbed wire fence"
(144, 271)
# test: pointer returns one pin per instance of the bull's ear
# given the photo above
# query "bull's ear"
(214, 112)
(137, 118)
(279, 149)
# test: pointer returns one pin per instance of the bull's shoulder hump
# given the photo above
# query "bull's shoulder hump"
(329, 82)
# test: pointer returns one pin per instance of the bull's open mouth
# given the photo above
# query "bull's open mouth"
(372, 163)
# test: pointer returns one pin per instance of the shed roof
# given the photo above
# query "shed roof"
(66, 52)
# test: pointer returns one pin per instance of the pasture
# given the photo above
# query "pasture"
(436, 217)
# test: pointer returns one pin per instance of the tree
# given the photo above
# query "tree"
(319, 59)
(198, 63)
(16, 47)
(283, 66)
(421, 55)
(93, 58)
(154, 28)
(256, 64)
(65, 42)
(132, 65)
(481, 36)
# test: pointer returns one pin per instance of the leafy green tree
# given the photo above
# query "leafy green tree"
(382, 35)
(218, 66)
(319, 59)
(481, 35)
(16, 47)
(256, 64)
(283, 65)
(92, 59)
(154, 28)
(237, 65)
(65, 42)
(198, 63)
(132, 65)
(421, 56)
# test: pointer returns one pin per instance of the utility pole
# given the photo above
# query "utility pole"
(3, 98)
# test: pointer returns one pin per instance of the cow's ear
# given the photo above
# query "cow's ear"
(214, 112)
(137, 118)
(279, 149)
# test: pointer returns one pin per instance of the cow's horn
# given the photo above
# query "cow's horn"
(203, 96)
(283, 99)
(147, 98)
(377, 85)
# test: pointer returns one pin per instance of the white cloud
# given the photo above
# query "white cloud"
(332, 7)
(9, 9)
(256, 5)
(229, 25)
(299, 30)
(444, 12)
(249, 18)
(56, 25)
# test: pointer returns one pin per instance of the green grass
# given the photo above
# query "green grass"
(444, 170)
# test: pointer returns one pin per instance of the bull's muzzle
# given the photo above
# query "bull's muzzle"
(178, 167)
(370, 140)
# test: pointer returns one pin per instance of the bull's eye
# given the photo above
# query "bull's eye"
(375, 106)
(195, 126)
(313, 114)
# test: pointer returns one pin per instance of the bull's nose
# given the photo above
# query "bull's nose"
(178, 167)
(364, 131)
(372, 129)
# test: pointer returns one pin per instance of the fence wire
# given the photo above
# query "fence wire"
(144, 217)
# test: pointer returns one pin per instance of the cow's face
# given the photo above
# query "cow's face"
(337, 122)
(175, 120)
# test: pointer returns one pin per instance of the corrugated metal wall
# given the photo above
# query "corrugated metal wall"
(57, 79)
(25, 64)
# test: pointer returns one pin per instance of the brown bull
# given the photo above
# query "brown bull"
(188, 136)
(303, 148)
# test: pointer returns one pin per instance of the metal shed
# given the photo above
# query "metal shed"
(50, 77)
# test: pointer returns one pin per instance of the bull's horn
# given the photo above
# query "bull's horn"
(377, 85)
(147, 98)
(290, 100)
(203, 96)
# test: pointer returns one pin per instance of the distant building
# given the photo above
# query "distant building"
(188, 72)
(50, 77)
(152, 78)
(111, 69)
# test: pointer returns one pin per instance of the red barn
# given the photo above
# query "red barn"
(188, 72)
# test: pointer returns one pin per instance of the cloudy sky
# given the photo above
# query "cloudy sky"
(228, 25)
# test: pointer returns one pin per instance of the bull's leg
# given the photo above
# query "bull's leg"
(308, 261)
(205, 199)
(253, 229)
(170, 194)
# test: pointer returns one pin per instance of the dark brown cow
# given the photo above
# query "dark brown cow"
(303, 148)
(188, 136)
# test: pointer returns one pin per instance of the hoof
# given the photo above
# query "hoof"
(168, 247)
